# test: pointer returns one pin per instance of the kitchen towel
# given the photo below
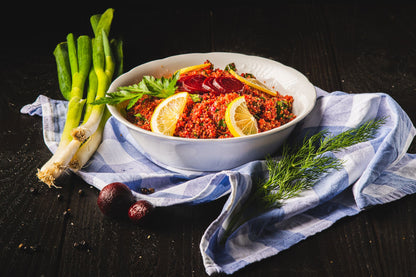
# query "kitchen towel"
(374, 172)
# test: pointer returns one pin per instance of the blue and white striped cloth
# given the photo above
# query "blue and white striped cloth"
(374, 172)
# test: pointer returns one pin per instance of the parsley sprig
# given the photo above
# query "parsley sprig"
(149, 85)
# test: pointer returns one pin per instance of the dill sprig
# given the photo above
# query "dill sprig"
(300, 166)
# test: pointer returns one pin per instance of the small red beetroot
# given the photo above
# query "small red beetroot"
(115, 200)
(139, 210)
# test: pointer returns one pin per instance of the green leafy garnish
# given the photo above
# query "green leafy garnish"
(230, 66)
(140, 116)
(299, 168)
(249, 75)
(149, 85)
(195, 97)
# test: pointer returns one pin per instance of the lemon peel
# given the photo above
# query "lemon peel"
(194, 67)
(254, 83)
(239, 120)
(167, 113)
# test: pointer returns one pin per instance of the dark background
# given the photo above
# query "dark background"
(351, 46)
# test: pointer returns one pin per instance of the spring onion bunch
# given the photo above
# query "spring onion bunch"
(85, 66)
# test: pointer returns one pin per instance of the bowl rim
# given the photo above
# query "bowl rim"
(114, 110)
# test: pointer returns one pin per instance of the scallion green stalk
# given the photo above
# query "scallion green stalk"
(91, 94)
(103, 23)
(117, 50)
(104, 68)
(72, 51)
(115, 63)
(73, 117)
(63, 69)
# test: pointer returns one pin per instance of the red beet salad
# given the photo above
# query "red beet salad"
(212, 89)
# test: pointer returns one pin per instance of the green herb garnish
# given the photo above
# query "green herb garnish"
(249, 75)
(222, 123)
(149, 85)
(298, 169)
(195, 97)
(230, 66)
(140, 116)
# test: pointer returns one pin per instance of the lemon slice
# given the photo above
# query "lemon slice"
(254, 83)
(167, 113)
(239, 120)
(194, 67)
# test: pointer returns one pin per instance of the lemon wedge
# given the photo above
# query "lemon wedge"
(254, 83)
(194, 67)
(167, 113)
(239, 120)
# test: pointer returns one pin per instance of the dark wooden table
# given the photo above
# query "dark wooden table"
(353, 46)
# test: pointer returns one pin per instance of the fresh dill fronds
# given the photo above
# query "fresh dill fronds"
(299, 168)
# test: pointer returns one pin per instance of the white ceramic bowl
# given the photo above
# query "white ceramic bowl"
(218, 154)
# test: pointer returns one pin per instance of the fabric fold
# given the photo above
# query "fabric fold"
(374, 172)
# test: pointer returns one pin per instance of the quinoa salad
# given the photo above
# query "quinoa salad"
(211, 90)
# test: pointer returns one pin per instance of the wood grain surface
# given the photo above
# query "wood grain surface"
(351, 46)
